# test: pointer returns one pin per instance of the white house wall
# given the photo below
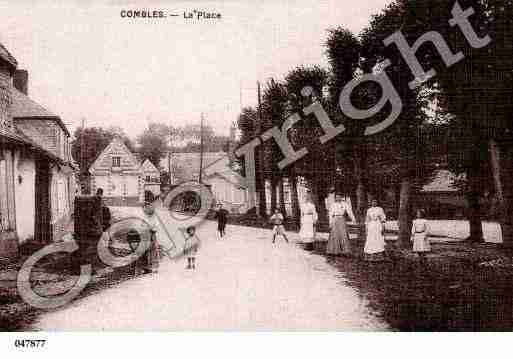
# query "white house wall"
(228, 193)
(24, 186)
(59, 193)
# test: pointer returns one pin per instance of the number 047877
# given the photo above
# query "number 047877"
(29, 343)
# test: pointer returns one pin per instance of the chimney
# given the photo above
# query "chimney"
(231, 146)
(21, 81)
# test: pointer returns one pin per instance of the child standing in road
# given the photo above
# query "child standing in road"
(190, 247)
(278, 229)
(419, 235)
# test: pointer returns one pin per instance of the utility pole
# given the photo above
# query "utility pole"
(201, 149)
(240, 95)
(83, 188)
(82, 146)
(169, 157)
(259, 175)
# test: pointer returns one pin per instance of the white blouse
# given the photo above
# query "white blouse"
(340, 209)
(419, 225)
(308, 209)
(375, 214)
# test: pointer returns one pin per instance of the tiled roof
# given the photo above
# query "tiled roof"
(20, 138)
(442, 182)
(232, 177)
(24, 107)
(6, 56)
(15, 136)
(188, 163)
(148, 166)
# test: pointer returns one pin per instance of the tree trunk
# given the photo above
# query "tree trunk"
(501, 190)
(354, 199)
(361, 182)
(476, 229)
(474, 192)
(262, 198)
(397, 193)
(404, 216)
(473, 196)
(274, 194)
(404, 213)
(294, 198)
(361, 187)
(320, 195)
(283, 209)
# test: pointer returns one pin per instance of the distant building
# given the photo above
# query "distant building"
(227, 186)
(441, 198)
(37, 181)
(151, 177)
(124, 180)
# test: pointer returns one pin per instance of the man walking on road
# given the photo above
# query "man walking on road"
(222, 218)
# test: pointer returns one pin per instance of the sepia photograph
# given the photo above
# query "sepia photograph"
(255, 166)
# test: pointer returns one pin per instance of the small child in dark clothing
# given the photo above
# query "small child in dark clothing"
(222, 218)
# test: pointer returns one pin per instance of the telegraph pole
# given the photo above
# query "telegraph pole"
(259, 175)
(83, 188)
(201, 149)
(169, 157)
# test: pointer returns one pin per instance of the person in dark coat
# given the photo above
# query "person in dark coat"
(106, 216)
(222, 219)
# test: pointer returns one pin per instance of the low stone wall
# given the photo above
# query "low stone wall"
(122, 201)
(8, 244)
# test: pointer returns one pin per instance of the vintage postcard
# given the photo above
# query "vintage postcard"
(241, 166)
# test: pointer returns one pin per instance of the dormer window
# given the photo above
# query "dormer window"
(116, 161)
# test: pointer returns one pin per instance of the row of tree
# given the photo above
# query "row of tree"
(459, 119)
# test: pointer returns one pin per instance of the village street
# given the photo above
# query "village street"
(242, 282)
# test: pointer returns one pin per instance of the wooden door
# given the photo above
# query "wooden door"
(42, 230)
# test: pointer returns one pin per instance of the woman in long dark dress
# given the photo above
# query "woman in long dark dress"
(338, 241)
(150, 259)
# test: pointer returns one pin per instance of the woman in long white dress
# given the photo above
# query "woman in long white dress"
(375, 242)
(308, 221)
(338, 240)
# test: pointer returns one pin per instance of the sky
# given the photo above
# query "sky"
(87, 62)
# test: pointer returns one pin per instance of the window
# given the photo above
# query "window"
(116, 161)
(148, 179)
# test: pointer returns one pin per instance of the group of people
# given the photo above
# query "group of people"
(338, 241)
(340, 213)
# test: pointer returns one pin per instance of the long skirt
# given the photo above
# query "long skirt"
(338, 240)
(307, 233)
(221, 225)
(375, 242)
(150, 260)
(421, 243)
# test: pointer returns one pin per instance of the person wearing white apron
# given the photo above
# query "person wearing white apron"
(375, 241)
(308, 221)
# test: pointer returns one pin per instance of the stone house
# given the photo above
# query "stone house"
(227, 186)
(151, 177)
(122, 177)
(36, 173)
